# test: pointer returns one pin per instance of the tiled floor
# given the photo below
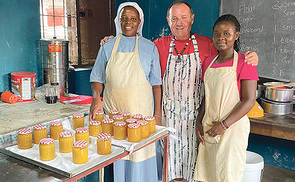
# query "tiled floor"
(275, 174)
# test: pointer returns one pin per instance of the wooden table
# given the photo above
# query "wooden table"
(278, 126)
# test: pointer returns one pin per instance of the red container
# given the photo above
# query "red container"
(23, 85)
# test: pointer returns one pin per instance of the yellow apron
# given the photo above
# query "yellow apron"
(127, 89)
(223, 158)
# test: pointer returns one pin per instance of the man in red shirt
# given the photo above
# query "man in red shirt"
(181, 57)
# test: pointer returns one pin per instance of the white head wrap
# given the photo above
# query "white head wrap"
(119, 13)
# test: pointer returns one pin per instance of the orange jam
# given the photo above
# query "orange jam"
(131, 121)
(118, 118)
(152, 123)
(104, 146)
(82, 134)
(24, 138)
(66, 141)
(126, 115)
(78, 120)
(47, 149)
(144, 129)
(107, 126)
(137, 116)
(112, 113)
(134, 134)
(55, 129)
(120, 130)
(40, 131)
(94, 128)
(99, 116)
(80, 152)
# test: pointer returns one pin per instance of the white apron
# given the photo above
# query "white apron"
(127, 89)
(182, 94)
(223, 158)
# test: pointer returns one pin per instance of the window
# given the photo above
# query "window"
(58, 19)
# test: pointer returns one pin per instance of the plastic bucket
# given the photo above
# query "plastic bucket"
(254, 167)
(23, 85)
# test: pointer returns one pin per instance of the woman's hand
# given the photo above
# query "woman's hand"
(251, 58)
(216, 129)
(95, 106)
(200, 132)
(105, 39)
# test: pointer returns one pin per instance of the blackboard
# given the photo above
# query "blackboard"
(268, 28)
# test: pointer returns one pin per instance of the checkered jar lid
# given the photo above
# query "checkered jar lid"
(104, 136)
(46, 141)
(119, 123)
(94, 122)
(131, 120)
(107, 120)
(81, 130)
(142, 122)
(39, 126)
(99, 112)
(24, 131)
(135, 125)
(149, 118)
(137, 116)
(117, 117)
(80, 143)
(65, 134)
(55, 123)
(78, 115)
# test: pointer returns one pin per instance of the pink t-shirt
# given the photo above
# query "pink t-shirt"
(244, 71)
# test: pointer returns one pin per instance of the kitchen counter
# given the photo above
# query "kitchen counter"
(278, 126)
(28, 114)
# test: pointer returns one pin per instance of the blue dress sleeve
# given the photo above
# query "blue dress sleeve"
(155, 74)
(98, 70)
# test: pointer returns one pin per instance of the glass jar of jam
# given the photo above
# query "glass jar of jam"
(133, 133)
(131, 121)
(80, 152)
(112, 113)
(118, 118)
(78, 120)
(55, 129)
(24, 138)
(82, 134)
(94, 128)
(137, 116)
(126, 115)
(107, 126)
(99, 116)
(40, 131)
(66, 141)
(152, 123)
(144, 129)
(47, 149)
(120, 130)
(104, 146)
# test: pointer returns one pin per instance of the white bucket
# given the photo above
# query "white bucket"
(254, 167)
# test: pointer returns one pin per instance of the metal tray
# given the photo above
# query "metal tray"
(78, 169)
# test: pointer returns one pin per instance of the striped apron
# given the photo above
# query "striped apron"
(182, 94)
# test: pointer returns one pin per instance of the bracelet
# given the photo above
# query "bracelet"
(158, 116)
(224, 125)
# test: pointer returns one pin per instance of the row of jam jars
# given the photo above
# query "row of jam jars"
(47, 149)
(152, 123)
(104, 144)
(113, 112)
(94, 128)
(107, 126)
(144, 129)
(120, 130)
(126, 115)
(66, 141)
(24, 138)
(78, 120)
(55, 129)
(40, 132)
(99, 116)
(80, 152)
(134, 133)
(82, 134)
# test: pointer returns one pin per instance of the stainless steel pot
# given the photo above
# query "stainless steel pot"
(278, 108)
(260, 89)
(279, 94)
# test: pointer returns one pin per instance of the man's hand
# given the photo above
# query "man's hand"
(251, 58)
(105, 39)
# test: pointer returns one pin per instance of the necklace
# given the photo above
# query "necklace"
(178, 60)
